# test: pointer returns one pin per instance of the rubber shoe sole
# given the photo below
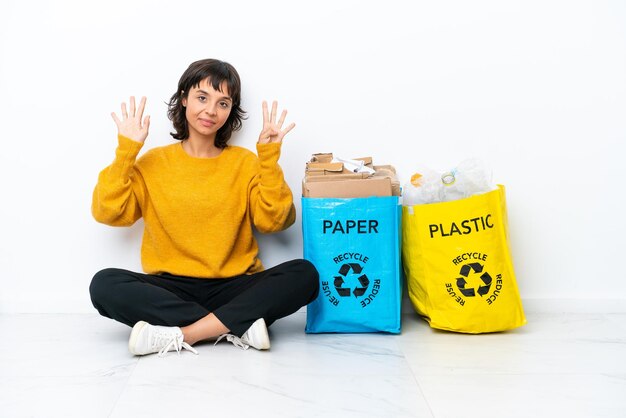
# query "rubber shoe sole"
(257, 336)
(134, 336)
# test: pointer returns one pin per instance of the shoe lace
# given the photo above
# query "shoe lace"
(172, 341)
(237, 342)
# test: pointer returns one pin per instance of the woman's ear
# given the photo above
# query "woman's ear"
(184, 99)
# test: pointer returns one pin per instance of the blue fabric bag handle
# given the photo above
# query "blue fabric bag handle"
(355, 245)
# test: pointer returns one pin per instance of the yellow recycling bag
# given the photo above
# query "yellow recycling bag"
(458, 265)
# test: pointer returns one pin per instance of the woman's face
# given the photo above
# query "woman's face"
(207, 109)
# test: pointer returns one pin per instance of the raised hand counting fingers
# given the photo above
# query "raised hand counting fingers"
(273, 131)
(131, 125)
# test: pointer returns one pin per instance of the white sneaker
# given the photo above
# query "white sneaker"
(256, 336)
(147, 339)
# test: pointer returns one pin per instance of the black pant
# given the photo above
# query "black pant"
(169, 300)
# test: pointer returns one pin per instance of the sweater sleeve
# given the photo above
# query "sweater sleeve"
(271, 200)
(114, 199)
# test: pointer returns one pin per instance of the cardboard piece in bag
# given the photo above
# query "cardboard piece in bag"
(380, 186)
(323, 178)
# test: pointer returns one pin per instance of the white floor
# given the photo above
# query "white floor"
(558, 365)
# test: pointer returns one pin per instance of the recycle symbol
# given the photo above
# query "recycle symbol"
(485, 277)
(355, 268)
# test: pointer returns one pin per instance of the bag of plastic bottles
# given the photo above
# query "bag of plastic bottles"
(458, 264)
(469, 178)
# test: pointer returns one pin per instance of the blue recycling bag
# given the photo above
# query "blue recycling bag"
(355, 245)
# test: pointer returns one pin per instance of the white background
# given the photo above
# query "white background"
(537, 89)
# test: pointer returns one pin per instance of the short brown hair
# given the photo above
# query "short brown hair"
(216, 72)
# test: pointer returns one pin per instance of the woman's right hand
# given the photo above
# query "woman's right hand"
(131, 125)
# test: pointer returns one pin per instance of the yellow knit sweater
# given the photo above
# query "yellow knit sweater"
(198, 212)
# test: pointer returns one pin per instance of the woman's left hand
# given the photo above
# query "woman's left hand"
(272, 131)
